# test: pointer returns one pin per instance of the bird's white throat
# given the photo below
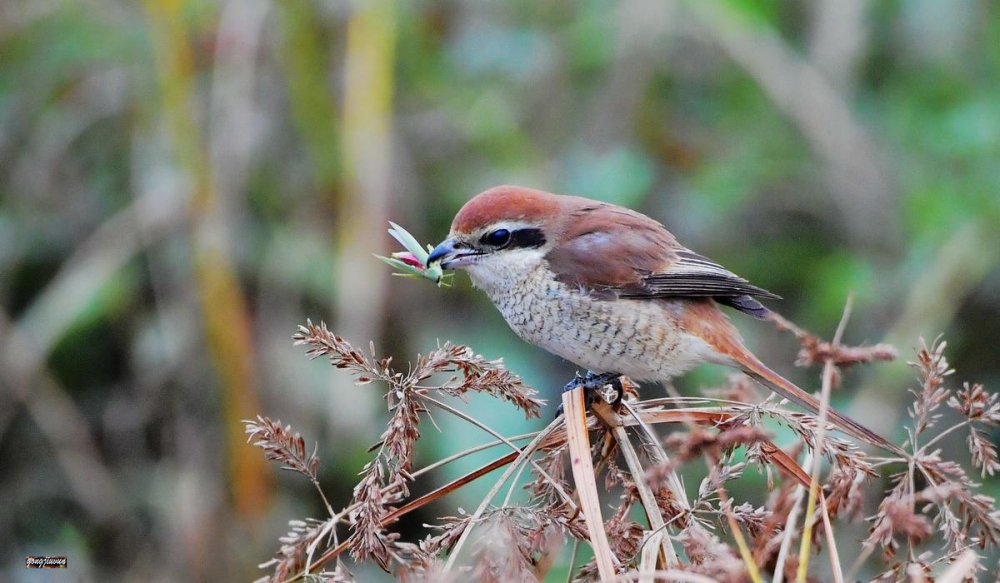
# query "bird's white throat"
(496, 273)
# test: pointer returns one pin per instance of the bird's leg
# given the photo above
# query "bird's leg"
(576, 382)
(593, 384)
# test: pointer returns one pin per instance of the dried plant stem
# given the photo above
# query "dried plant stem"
(575, 415)
(411, 506)
(806, 541)
(925, 447)
(551, 440)
(650, 555)
(521, 457)
(646, 495)
(322, 495)
(962, 569)
(653, 514)
(572, 560)
(789, 531)
(520, 542)
(329, 529)
(817, 460)
(517, 478)
(467, 452)
(454, 484)
(708, 416)
(675, 401)
(782, 460)
(741, 542)
(866, 551)
(660, 457)
(838, 573)
(664, 574)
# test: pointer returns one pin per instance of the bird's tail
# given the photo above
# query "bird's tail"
(706, 321)
(777, 383)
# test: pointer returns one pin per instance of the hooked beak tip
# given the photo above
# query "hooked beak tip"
(441, 251)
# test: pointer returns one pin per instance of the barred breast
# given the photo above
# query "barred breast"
(638, 338)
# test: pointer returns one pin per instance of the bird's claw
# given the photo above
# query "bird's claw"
(593, 384)
(576, 382)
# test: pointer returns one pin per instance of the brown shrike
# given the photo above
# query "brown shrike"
(610, 290)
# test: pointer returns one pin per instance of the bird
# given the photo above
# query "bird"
(611, 290)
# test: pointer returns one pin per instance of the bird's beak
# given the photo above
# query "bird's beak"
(449, 256)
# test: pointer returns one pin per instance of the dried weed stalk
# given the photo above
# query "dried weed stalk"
(935, 495)
(933, 511)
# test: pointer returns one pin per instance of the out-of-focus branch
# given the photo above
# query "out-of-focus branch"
(310, 103)
(961, 264)
(859, 182)
(24, 346)
(840, 36)
(224, 311)
(95, 98)
(84, 274)
(62, 423)
(642, 26)
(235, 118)
(367, 146)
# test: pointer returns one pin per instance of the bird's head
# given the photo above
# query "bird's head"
(501, 234)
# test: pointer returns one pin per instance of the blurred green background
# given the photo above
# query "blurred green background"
(183, 182)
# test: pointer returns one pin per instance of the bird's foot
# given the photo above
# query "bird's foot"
(594, 385)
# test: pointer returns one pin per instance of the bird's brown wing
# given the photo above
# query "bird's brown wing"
(621, 253)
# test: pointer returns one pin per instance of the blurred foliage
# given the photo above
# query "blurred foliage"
(182, 182)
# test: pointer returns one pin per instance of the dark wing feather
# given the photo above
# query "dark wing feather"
(616, 252)
(696, 276)
(745, 304)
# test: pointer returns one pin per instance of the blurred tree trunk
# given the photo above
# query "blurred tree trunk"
(363, 210)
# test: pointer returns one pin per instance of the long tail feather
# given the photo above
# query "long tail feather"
(772, 380)
(706, 320)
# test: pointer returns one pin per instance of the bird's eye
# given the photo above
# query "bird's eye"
(497, 238)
